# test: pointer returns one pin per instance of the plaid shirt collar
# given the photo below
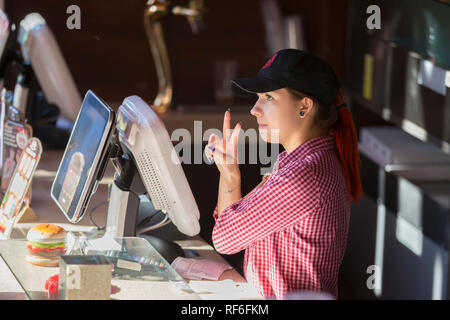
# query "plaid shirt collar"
(306, 149)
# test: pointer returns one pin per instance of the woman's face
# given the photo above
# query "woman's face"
(277, 114)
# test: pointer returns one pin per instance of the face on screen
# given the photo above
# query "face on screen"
(78, 168)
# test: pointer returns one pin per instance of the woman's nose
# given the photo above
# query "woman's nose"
(256, 110)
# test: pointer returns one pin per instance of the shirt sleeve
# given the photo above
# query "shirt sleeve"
(287, 197)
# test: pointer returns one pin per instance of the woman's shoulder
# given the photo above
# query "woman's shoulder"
(323, 165)
(321, 159)
(296, 171)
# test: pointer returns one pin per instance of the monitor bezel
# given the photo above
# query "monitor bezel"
(100, 162)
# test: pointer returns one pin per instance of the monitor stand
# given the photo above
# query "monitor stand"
(129, 206)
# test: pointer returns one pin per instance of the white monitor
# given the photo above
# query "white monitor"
(142, 134)
(40, 49)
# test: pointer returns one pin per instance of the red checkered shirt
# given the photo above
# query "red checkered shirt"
(293, 227)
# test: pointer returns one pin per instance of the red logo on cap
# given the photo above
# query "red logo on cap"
(268, 63)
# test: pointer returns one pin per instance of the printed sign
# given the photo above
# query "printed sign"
(15, 138)
(18, 186)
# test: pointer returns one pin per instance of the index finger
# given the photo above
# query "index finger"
(226, 125)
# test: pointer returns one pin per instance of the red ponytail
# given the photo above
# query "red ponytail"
(347, 145)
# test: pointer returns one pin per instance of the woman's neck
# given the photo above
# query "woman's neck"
(295, 140)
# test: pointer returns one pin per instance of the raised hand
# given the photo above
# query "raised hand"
(224, 150)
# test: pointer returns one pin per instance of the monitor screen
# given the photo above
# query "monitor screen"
(84, 158)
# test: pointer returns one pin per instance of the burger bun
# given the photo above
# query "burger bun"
(46, 233)
(42, 261)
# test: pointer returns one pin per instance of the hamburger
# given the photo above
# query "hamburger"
(46, 243)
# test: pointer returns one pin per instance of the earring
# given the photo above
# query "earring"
(302, 114)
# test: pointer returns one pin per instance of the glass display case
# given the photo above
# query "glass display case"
(139, 272)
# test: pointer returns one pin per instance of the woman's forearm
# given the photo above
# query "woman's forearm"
(229, 191)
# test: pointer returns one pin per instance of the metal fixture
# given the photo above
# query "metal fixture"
(155, 12)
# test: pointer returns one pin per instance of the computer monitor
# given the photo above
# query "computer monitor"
(40, 49)
(144, 138)
(85, 157)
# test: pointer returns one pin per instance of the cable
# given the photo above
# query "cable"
(148, 219)
(164, 222)
(92, 211)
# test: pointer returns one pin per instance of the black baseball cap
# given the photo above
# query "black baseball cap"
(297, 69)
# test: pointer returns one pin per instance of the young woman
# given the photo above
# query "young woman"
(293, 226)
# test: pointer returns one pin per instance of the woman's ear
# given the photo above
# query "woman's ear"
(305, 106)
